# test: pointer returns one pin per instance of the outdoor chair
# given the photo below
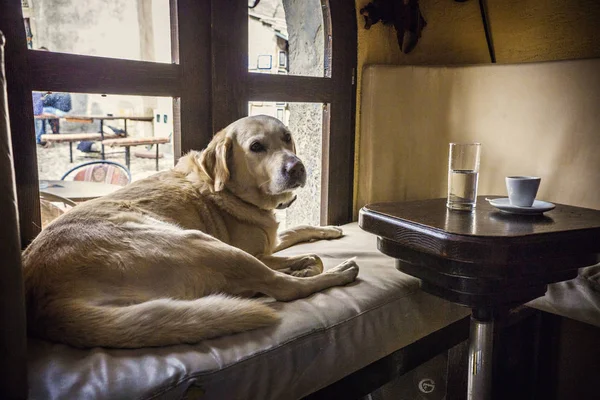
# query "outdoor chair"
(100, 171)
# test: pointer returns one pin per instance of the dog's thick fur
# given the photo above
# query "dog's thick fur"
(167, 259)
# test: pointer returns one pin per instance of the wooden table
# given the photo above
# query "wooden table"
(486, 260)
(75, 137)
(78, 190)
(128, 142)
(100, 136)
(102, 118)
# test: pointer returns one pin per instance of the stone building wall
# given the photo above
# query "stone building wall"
(306, 57)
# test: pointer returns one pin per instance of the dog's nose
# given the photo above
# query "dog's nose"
(294, 171)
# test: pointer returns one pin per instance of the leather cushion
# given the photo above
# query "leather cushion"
(320, 340)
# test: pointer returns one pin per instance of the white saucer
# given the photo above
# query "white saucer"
(538, 206)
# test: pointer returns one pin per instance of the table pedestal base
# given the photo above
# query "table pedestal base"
(481, 343)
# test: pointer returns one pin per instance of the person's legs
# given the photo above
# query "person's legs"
(54, 123)
(39, 130)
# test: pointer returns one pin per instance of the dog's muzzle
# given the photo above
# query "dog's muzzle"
(294, 173)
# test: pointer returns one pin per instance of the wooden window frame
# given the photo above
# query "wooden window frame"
(209, 83)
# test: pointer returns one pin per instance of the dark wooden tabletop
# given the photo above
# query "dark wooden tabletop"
(487, 221)
(484, 234)
(485, 251)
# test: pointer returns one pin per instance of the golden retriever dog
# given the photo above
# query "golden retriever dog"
(168, 259)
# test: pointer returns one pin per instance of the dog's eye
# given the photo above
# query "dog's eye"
(257, 147)
(287, 138)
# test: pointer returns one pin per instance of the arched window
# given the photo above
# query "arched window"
(204, 70)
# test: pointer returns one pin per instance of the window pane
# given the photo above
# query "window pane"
(68, 122)
(135, 30)
(67, 129)
(305, 121)
(287, 37)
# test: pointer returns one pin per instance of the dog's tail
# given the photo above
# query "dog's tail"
(153, 323)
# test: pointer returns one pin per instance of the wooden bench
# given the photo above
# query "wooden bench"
(74, 137)
(128, 142)
(88, 119)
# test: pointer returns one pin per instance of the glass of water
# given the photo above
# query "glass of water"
(463, 174)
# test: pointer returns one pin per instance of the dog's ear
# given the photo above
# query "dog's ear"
(213, 160)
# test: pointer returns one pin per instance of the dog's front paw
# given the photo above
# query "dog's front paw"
(309, 271)
(331, 232)
(347, 271)
(309, 265)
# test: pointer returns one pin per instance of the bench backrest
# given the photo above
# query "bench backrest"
(532, 119)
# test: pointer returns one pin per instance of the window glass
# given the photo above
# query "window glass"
(67, 128)
(287, 37)
(134, 30)
(305, 121)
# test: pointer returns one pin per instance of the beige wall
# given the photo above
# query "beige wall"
(543, 30)
(523, 30)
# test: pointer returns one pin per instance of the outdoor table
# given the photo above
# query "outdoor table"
(101, 119)
(128, 142)
(90, 136)
(486, 260)
(74, 137)
(78, 190)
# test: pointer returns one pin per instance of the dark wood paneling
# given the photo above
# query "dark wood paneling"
(88, 74)
(324, 211)
(456, 372)
(190, 38)
(20, 107)
(289, 88)
(338, 151)
(568, 359)
(13, 345)
(375, 375)
(230, 61)
(548, 356)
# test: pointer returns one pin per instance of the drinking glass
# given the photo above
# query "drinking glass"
(463, 175)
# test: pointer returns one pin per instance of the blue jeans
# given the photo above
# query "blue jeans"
(40, 124)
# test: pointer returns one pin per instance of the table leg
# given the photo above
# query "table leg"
(102, 138)
(127, 157)
(481, 343)
(157, 156)
(71, 152)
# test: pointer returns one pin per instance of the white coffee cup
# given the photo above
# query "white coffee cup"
(522, 190)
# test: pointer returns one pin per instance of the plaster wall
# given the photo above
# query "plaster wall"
(138, 30)
(306, 57)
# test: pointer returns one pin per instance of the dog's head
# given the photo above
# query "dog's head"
(253, 158)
